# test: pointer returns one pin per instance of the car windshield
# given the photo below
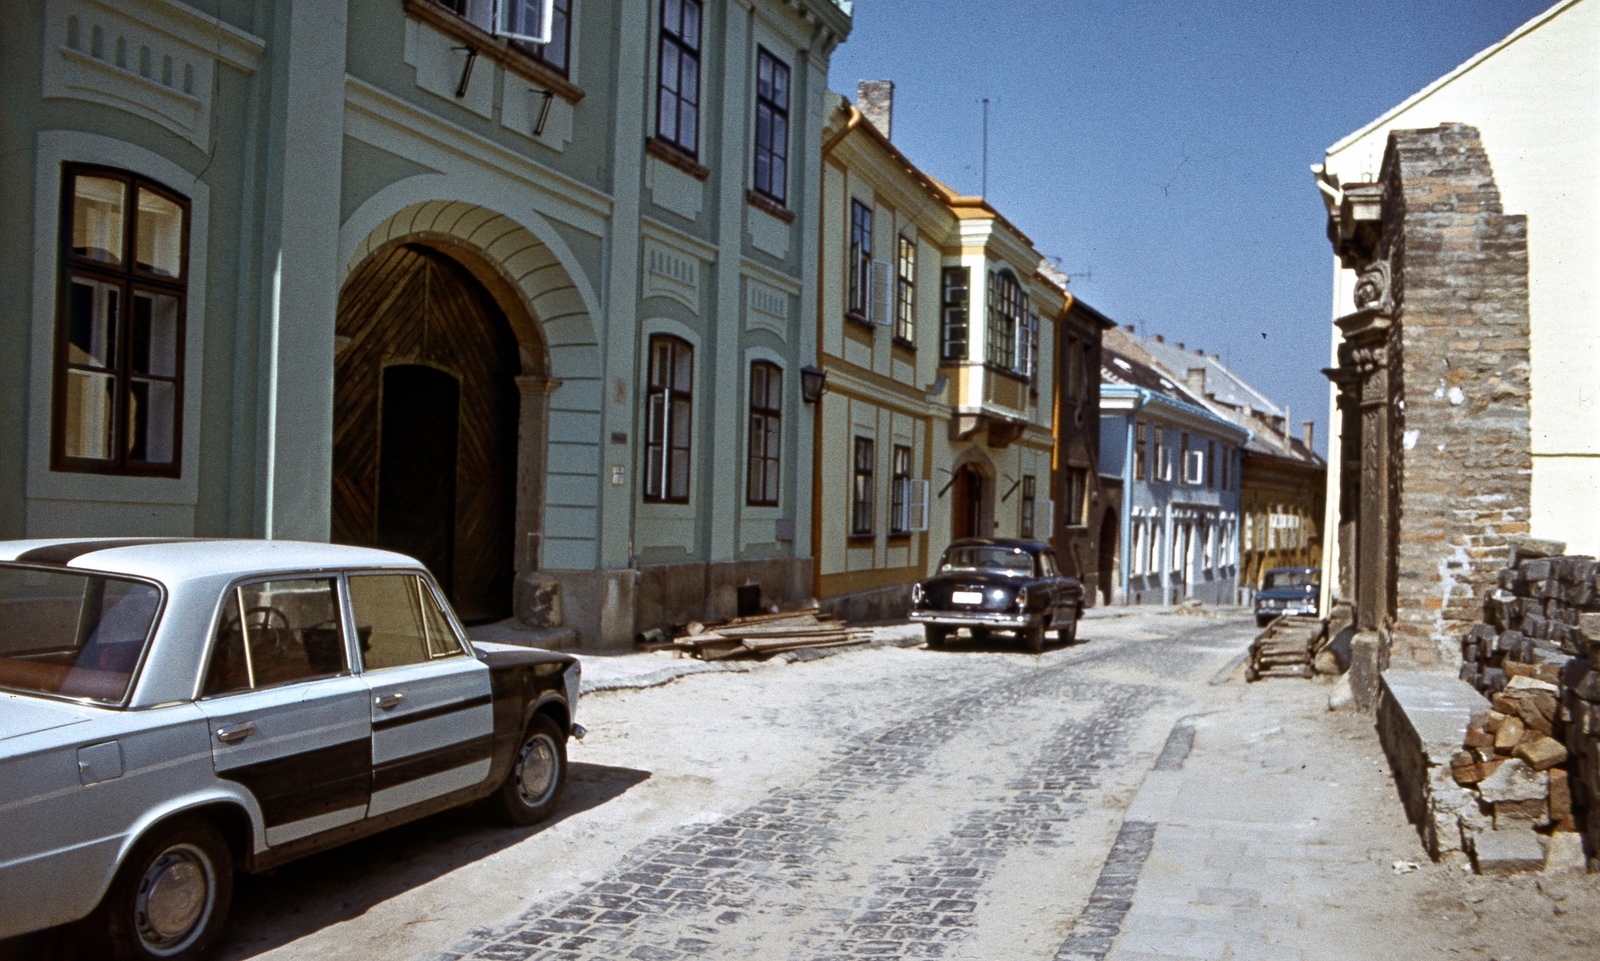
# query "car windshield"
(1000, 560)
(71, 633)
(1277, 579)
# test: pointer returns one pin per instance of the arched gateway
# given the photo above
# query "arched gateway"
(425, 423)
(447, 319)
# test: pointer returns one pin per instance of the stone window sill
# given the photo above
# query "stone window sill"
(671, 153)
(766, 204)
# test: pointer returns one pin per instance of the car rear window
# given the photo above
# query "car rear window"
(1003, 560)
(73, 634)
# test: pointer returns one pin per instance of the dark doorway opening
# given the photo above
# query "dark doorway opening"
(417, 467)
(1108, 555)
(966, 503)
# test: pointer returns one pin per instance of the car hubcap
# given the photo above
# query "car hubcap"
(536, 770)
(175, 896)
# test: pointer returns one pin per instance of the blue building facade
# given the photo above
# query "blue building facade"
(1180, 464)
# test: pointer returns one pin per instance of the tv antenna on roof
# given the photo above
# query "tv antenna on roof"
(984, 193)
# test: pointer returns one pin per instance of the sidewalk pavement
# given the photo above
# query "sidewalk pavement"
(1269, 829)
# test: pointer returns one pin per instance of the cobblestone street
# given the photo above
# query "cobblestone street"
(883, 803)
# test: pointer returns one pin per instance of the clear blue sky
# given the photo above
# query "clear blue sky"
(1160, 150)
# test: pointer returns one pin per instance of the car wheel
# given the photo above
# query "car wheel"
(538, 773)
(1067, 632)
(1033, 637)
(936, 635)
(170, 898)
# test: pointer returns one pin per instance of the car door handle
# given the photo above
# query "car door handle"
(235, 732)
(389, 702)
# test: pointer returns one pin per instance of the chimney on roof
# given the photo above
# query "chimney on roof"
(875, 100)
(1197, 380)
(1128, 328)
(1160, 339)
(1179, 345)
(1310, 432)
(1199, 353)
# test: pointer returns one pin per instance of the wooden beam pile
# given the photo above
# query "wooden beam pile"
(766, 634)
(1285, 648)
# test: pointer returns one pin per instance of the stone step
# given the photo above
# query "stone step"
(1508, 852)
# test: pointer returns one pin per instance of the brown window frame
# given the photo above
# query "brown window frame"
(905, 290)
(686, 51)
(860, 266)
(955, 327)
(862, 507)
(668, 394)
(900, 489)
(763, 462)
(128, 279)
(774, 147)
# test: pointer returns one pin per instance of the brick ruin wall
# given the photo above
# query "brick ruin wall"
(1460, 349)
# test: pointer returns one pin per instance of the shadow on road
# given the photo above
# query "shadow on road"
(1002, 644)
(270, 910)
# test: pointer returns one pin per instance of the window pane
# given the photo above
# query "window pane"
(780, 86)
(95, 314)
(678, 477)
(688, 134)
(152, 417)
(153, 335)
(98, 209)
(689, 88)
(758, 384)
(389, 620)
(671, 18)
(669, 69)
(91, 406)
(158, 241)
(683, 367)
(774, 388)
(680, 423)
(292, 628)
(660, 362)
(691, 24)
(764, 75)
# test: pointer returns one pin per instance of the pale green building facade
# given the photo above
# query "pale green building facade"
(360, 270)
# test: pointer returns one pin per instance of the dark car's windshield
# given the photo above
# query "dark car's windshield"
(1295, 578)
(73, 634)
(1000, 560)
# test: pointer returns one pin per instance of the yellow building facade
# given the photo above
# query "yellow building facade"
(936, 333)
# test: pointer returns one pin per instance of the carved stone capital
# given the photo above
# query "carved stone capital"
(1373, 289)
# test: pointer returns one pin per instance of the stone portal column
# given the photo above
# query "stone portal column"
(537, 604)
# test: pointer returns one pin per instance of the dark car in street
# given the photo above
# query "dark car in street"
(1288, 590)
(998, 584)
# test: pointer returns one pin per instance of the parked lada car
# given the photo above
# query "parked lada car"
(998, 584)
(1288, 590)
(173, 711)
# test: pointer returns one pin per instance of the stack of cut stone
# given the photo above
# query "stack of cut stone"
(1531, 657)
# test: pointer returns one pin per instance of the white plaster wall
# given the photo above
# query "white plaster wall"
(1535, 99)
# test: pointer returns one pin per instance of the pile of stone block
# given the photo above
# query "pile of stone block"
(1532, 752)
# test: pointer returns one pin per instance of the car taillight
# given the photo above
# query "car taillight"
(1022, 598)
(916, 595)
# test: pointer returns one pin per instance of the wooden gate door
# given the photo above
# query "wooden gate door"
(449, 492)
(966, 504)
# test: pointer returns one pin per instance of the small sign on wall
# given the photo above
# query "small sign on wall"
(619, 475)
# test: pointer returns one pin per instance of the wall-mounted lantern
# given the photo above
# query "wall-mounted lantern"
(812, 383)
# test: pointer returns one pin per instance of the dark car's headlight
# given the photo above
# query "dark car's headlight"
(916, 595)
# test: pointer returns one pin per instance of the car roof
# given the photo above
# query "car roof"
(178, 559)
(1019, 542)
